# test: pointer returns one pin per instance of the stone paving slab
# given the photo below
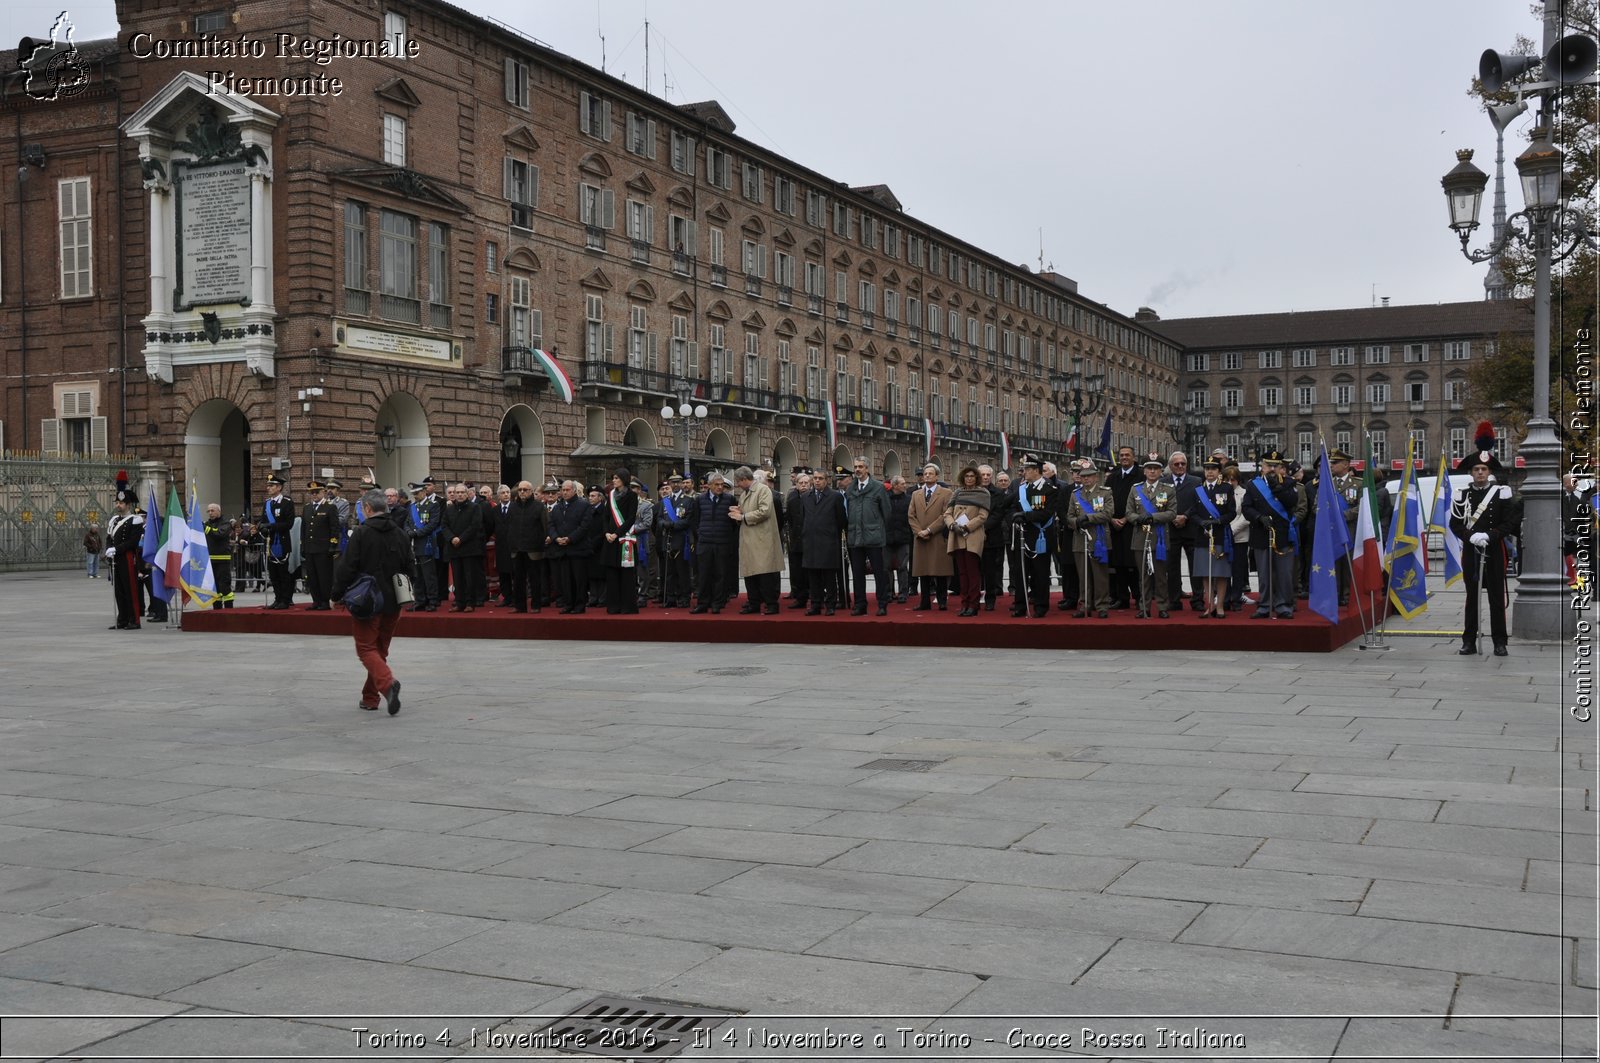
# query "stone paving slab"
(722, 921)
(117, 960)
(165, 907)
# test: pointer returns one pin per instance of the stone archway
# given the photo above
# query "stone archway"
(842, 459)
(402, 446)
(521, 446)
(784, 458)
(718, 445)
(216, 456)
(891, 465)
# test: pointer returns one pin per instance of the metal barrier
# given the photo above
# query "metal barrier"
(46, 505)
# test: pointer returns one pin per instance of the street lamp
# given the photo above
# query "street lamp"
(1544, 225)
(688, 413)
(1076, 394)
(1189, 426)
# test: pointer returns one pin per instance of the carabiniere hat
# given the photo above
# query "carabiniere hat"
(1484, 452)
(274, 478)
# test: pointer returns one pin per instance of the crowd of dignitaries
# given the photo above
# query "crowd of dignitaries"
(1115, 538)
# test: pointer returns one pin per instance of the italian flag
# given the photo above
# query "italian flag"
(1366, 552)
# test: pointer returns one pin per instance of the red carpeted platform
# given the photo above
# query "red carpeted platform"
(1306, 633)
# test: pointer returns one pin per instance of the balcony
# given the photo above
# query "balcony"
(752, 286)
(682, 264)
(641, 251)
(594, 238)
(1303, 410)
(1377, 407)
(814, 305)
(625, 380)
(1269, 411)
(396, 308)
(520, 368)
(891, 327)
(1455, 404)
(914, 334)
(357, 302)
(719, 276)
(1230, 411)
(1341, 407)
(841, 313)
(784, 294)
(1416, 406)
(868, 318)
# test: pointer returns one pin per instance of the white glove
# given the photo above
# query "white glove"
(1479, 539)
(111, 553)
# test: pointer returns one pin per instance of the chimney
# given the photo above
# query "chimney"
(1144, 313)
(1385, 300)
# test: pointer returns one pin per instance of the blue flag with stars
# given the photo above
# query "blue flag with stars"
(1330, 542)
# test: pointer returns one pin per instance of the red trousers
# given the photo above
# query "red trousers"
(372, 647)
(967, 569)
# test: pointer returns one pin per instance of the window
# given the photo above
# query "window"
(1270, 360)
(1303, 442)
(816, 204)
(1341, 440)
(753, 258)
(522, 191)
(394, 140)
(1378, 354)
(678, 353)
(491, 257)
(1344, 394)
(869, 231)
(1304, 358)
(597, 334)
(1418, 440)
(641, 343)
(1232, 361)
(357, 299)
(843, 382)
(1458, 444)
(716, 236)
(721, 370)
(683, 153)
(210, 22)
(1200, 399)
(1305, 395)
(815, 285)
(594, 116)
(841, 220)
(1342, 356)
(1378, 438)
(1417, 391)
(680, 234)
(394, 33)
(1232, 398)
(397, 267)
(719, 167)
(1457, 350)
(1416, 352)
(491, 308)
(783, 195)
(1455, 392)
(75, 429)
(1271, 396)
(1197, 363)
(814, 384)
(869, 387)
(788, 374)
(783, 270)
(891, 306)
(914, 394)
(517, 83)
(526, 324)
(891, 240)
(752, 182)
(597, 207)
(1502, 443)
(1377, 393)
(77, 259)
(641, 138)
(439, 304)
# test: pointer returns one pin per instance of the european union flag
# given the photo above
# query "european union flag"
(1330, 542)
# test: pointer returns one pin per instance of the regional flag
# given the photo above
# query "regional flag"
(1408, 565)
(198, 581)
(1439, 521)
(1329, 543)
(150, 547)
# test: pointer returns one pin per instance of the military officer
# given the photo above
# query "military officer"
(1348, 486)
(1152, 507)
(320, 536)
(1035, 509)
(1482, 515)
(1274, 506)
(124, 542)
(428, 519)
(1089, 508)
(277, 521)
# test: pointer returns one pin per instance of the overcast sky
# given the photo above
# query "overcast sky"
(1224, 157)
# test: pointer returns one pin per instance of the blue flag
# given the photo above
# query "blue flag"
(1408, 565)
(1105, 439)
(151, 546)
(1330, 542)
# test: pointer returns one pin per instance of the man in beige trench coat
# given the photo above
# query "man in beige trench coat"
(760, 544)
(930, 557)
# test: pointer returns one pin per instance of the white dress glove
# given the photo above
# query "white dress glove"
(111, 553)
(1479, 539)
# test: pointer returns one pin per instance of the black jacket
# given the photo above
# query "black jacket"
(522, 527)
(823, 523)
(899, 519)
(628, 508)
(569, 519)
(463, 520)
(379, 549)
(1265, 525)
(713, 526)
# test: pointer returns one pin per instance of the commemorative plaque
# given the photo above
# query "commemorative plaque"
(213, 234)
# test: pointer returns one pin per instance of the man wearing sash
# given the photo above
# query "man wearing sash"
(426, 515)
(675, 538)
(1273, 505)
(1482, 514)
(1151, 511)
(323, 534)
(1033, 506)
(277, 518)
(1089, 515)
(124, 545)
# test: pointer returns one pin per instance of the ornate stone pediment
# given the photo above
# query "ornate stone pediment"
(521, 138)
(596, 278)
(405, 183)
(397, 91)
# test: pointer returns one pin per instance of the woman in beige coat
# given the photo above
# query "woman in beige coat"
(963, 521)
(760, 545)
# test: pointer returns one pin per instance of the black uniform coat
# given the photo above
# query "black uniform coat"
(824, 522)
(628, 506)
(463, 520)
(1120, 482)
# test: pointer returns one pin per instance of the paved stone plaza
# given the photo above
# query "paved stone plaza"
(1357, 854)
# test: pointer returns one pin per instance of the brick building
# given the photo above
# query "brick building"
(1396, 372)
(397, 203)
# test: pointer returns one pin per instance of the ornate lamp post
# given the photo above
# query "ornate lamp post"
(1075, 395)
(687, 413)
(1551, 230)
(1190, 426)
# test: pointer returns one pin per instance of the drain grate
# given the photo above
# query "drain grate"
(627, 1028)
(732, 671)
(897, 764)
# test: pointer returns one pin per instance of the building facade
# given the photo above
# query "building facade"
(1396, 375)
(336, 233)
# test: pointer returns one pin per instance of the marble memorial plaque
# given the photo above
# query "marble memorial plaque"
(214, 234)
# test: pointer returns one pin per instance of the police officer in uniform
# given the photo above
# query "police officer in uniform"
(321, 534)
(124, 538)
(1152, 507)
(1034, 508)
(1089, 508)
(1274, 505)
(425, 543)
(277, 521)
(1482, 514)
(219, 546)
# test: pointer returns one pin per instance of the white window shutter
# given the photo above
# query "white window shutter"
(50, 436)
(761, 260)
(608, 209)
(97, 437)
(649, 224)
(533, 186)
(511, 80)
(650, 142)
(694, 359)
(610, 341)
(508, 184)
(583, 112)
(605, 120)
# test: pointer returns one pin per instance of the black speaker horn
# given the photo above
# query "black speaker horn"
(1571, 60)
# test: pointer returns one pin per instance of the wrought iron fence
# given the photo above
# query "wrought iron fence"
(47, 504)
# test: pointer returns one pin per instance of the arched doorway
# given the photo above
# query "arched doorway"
(521, 446)
(641, 434)
(842, 458)
(216, 456)
(403, 446)
(891, 465)
(784, 458)
(718, 445)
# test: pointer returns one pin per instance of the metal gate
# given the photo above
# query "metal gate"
(47, 504)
